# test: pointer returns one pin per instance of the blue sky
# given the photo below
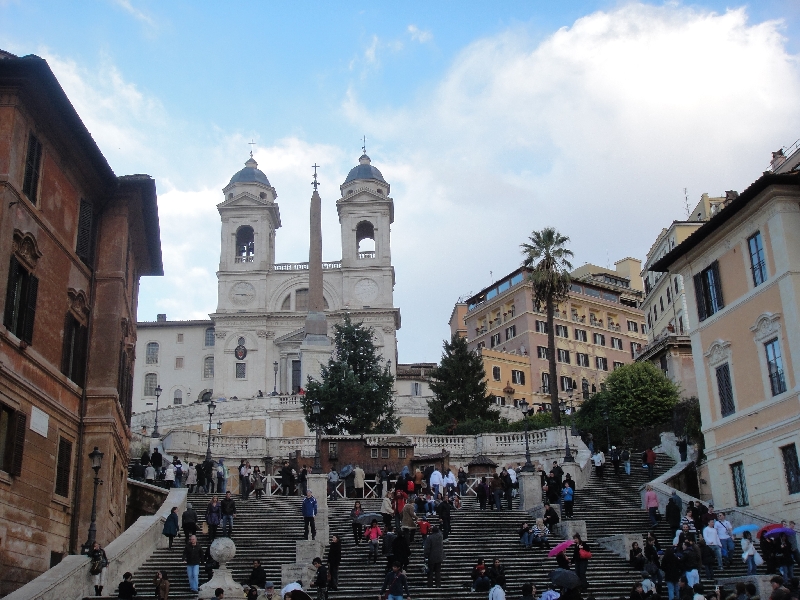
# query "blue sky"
(488, 119)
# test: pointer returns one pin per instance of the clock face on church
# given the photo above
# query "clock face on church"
(242, 293)
(365, 290)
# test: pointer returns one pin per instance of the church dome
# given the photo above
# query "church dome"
(250, 174)
(364, 170)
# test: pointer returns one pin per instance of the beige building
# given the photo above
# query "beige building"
(598, 328)
(742, 277)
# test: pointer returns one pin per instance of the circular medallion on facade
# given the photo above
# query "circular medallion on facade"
(365, 290)
(242, 293)
(240, 352)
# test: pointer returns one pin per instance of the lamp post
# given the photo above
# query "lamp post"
(155, 425)
(317, 469)
(275, 384)
(526, 410)
(211, 408)
(608, 435)
(97, 461)
(568, 458)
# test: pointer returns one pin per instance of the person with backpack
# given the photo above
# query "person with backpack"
(395, 583)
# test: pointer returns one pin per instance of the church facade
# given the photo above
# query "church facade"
(252, 344)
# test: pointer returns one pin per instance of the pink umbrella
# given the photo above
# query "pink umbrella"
(560, 548)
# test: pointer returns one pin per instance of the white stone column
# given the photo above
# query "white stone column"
(530, 493)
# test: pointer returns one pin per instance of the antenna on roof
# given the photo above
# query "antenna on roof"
(251, 143)
(491, 277)
(686, 203)
(364, 144)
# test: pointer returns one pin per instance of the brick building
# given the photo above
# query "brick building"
(74, 240)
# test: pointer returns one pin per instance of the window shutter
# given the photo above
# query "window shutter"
(30, 312)
(717, 285)
(67, 354)
(32, 167)
(700, 297)
(11, 292)
(79, 362)
(83, 246)
(64, 467)
(19, 443)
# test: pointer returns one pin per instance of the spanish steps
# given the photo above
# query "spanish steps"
(267, 529)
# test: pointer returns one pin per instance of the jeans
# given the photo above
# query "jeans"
(526, 539)
(786, 572)
(227, 525)
(435, 488)
(462, 489)
(718, 553)
(673, 590)
(692, 577)
(751, 565)
(498, 499)
(650, 473)
(651, 511)
(193, 573)
(627, 467)
(728, 548)
(393, 597)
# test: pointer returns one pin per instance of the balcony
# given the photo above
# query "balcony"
(613, 327)
(303, 266)
(578, 318)
(366, 255)
(244, 259)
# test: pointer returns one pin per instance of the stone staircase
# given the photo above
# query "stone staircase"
(268, 528)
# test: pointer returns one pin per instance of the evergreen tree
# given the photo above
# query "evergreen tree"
(459, 383)
(356, 390)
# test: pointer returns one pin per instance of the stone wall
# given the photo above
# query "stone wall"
(143, 500)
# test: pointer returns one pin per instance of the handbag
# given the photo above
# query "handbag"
(758, 559)
(584, 554)
(96, 567)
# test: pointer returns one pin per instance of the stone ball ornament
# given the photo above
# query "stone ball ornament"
(223, 550)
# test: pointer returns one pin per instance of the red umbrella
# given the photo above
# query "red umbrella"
(767, 528)
(560, 548)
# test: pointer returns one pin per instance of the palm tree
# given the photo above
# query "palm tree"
(548, 259)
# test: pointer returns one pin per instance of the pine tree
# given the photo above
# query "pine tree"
(459, 383)
(356, 390)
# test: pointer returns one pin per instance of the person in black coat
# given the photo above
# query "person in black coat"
(497, 573)
(127, 589)
(443, 510)
(483, 493)
(401, 551)
(334, 560)
(157, 460)
(550, 516)
(321, 580)
(581, 564)
(673, 515)
(258, 576)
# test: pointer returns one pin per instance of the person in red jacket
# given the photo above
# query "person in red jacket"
(650, 461)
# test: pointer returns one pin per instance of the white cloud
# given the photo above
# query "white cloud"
(135, 12)
(419, 35)
(595, 130)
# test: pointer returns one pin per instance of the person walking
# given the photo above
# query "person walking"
(749, 553)
(228, 506)
(387, 510)
(257, 479)
(444, 510)
(651, 505)
(150, 474)
(222, 477)
(169, 475)
(395, 583)
(333, 482)
(433, 549)
(98, 566)
(399, 503)
(358, 481)
(401, 551)
(373, 535)
(387, 548)
(580, 558)
(334, 560)
(161, 581)
(599, 460)
(191, 478)
(192, 557)
(711, 538)
(309, 510)
(497, 492)
(436, 483)
(671, 565)
(462, 481)
(625, 457)
(672, 514)
(302, 480)
(213, 517)
(725, 531)
(650, 461)
(409, 522)
(483, 493)
(321, 579)
(171, 525)
(355, 513)
(189, 521)
(126, 589)
(615, 459)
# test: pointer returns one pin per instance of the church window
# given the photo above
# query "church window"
(150, 383)
(177, 397)
(178, 362)
(151, 353)
(245, 244)
(295, 376)
(287, 302)
(241, 341)
(241, 370)
(210, 336)
(208, 367)
(365, 239)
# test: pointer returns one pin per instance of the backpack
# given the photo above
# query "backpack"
(625, 456)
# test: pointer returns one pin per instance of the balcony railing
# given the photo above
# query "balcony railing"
(303, 266)
(244, 259)
(363, 255)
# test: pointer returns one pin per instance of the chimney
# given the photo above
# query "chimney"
(162, 318)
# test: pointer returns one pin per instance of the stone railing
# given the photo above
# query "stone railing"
(70, 579)
(303, 266)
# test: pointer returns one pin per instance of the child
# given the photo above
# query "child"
(424, 528)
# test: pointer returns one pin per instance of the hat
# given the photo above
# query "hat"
(268, 585)
(613, 447)
(188, 505)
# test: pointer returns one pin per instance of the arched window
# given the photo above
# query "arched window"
(151, 354)
(150, 384)
(177, 397)
(365, 239)
(208, 367)
(210, 336)
(241, 341)
(245, 244)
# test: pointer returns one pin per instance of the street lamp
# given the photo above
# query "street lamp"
(97, 461)
(568, 458)
(155, 425)
(608, 435)
(317, 465)
(211, 408)
(275, 385)
(526, 410)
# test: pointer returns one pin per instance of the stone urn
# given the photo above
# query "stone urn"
(222, 550)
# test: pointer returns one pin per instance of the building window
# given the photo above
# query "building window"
(777, 381)
(210, 336)
(517, 377)
(601, 363)
(178, 362)
(480, 345)
(373, 453)
(541, 326)
(208, 367)
(496, 373)
(150, 384)
(636, 349)
(739, 484)
(661, 302)
(708, 291)
(384, 453)
(401, 453)
(333, 450)
(416, 388)
(599, 339)
(33, 164)
(649, 319)
(151, 353)
(84, 243)
(500, 400)
(73, 353)
(545, 383)
(580, 335)
(12, 439)
(63, 467)
(563, 356)
(582, 359)
(617, 365)
(616, 343)
(177, 397)
(511, 332)
(676, 286)
(21, 293)
(241, 370)
(791, 467)
(565, 383)
(725, 390)
(757, 262)
(495, 340)
(180, 338)
(543, 352)
(663, 364)
(633, 326)
(561, 331)
(669, 296)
